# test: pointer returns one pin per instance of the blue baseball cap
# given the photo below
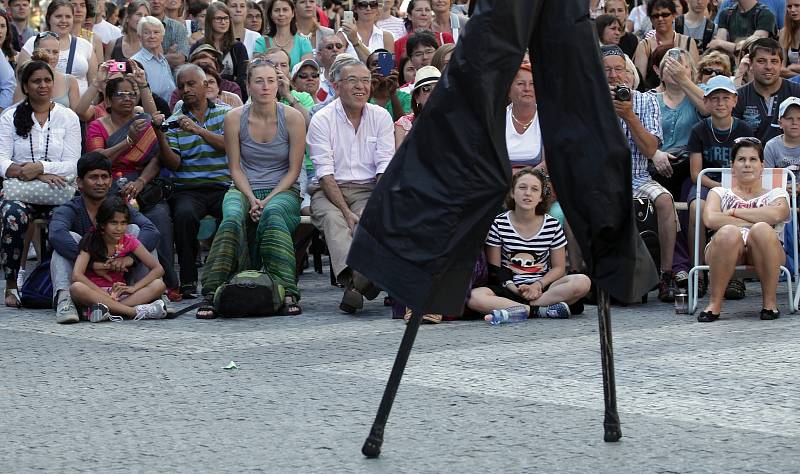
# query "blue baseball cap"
(718, 83)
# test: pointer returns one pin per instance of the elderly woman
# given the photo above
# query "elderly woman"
(65, 87)
(283, 33)
(713, 64)
(129, 43)
(59, 20)
(152, 59)
(219, 34)
(129, 140)
(424, 83)
(661, 13)
(747, 220)
(265, 142)
(39, 140)
(363, 36)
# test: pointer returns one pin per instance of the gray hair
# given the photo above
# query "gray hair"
(190, 67)
(149, 20)
(342, 61)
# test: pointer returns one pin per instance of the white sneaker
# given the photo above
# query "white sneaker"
(154, 310)
(65, 309)
(98, 312)
(20, 277)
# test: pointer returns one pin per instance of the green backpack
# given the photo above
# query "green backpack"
(248, 293)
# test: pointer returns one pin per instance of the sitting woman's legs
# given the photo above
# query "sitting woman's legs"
(765, 253)
(228, 253)
(725, 251)
(278, 221)
(567, 289)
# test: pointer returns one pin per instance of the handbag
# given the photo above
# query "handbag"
(38, 192)
(155, 191)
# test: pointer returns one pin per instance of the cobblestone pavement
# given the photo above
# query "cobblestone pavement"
(152, 396)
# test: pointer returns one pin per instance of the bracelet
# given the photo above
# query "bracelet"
(129, 140)
(356, 45)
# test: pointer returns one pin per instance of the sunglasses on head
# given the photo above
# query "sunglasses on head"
(306, 75)
(372, 4)
(752, 140)
(709, 71)
(47, 34)
(656, 16)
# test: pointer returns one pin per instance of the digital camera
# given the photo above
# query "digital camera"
(622, 93)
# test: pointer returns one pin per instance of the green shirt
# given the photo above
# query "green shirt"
(405, 101)
(742, 25)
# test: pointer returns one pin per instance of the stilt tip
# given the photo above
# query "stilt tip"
(372, 447)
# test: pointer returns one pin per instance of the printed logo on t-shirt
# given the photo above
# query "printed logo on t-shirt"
(752, 117)
(523, 263)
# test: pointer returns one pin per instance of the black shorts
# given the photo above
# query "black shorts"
(504, 292)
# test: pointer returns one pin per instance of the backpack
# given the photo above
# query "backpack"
(708, 32)
(760, 7)
(248, 293)
(37, 291)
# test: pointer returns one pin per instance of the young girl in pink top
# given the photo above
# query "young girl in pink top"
(100, 284)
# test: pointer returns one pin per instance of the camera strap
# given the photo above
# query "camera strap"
(71, 58)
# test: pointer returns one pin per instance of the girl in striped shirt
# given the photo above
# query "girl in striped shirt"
(525, 250)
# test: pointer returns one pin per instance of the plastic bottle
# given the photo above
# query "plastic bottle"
(513, 314)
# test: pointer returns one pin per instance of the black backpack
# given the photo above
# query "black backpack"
(708, 32)
(760, 7)
(37, 291)
(249, 293)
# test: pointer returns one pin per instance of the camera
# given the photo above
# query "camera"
(117, 66)
(168, 125)
(622, 93)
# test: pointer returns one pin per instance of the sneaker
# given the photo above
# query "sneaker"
(98, 312)
(154, 310)
(65, 309)
(558, 311)
(666, 288)
(20, 277)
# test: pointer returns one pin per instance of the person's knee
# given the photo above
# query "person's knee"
(581, 284)
(762, 234)
(665, 205)
(727, 237)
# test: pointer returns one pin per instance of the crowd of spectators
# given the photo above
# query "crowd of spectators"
(257, 113)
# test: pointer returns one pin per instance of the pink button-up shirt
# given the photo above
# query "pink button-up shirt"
(351, 156)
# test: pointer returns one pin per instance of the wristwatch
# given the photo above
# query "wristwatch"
(508, 282)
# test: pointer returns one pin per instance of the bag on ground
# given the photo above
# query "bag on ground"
(249, 293)
(37, 291)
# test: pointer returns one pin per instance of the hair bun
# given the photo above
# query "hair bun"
(40, 55)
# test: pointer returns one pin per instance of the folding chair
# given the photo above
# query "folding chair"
(771, 178)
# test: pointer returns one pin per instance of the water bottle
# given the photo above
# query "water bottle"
(513, 314)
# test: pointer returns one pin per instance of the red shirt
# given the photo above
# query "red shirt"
(400, 45)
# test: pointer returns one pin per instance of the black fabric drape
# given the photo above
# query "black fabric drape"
(428, 217)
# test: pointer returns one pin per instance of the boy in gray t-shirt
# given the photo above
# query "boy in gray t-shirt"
(783, 151)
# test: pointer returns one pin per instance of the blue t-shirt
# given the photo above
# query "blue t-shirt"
(677, 123)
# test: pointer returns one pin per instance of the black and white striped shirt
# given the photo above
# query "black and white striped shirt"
(528, 259)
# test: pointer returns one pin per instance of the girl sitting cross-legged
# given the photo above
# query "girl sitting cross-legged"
(525, 248)
(101, 287)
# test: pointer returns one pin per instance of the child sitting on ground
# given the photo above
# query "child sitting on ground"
(525, 248)
(103, 289)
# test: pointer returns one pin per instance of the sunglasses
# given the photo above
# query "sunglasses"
(306, 75)
(333, 46)
(373, 4)
(708, 71)
(752, 140)
(426, 89)
(47, 34)
(656, 16)
(125, 95)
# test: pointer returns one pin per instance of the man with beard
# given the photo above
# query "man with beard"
(75, 218)
(759, 100)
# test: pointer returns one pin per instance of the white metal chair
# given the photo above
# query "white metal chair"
(771, 178)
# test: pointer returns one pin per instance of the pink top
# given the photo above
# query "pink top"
(405, 122)
(125, 247)
(96, 138)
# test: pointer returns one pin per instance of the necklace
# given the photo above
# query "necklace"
(47, 142)
(520, 122)
(730, 129)
(275, 40)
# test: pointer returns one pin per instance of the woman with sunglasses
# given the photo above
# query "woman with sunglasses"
(59, 19)
(364, 37)
(424, 83)
(130, 141)
(282, 33)
(307, 24)
(65, 86)
(662, 14)
(747, 220)
(713, 63)
(39, 140)
(219, 34)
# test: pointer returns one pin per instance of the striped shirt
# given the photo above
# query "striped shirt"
(200, 162)
(528, 259)
(645, 105)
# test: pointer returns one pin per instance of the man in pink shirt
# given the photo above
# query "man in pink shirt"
(351, 143)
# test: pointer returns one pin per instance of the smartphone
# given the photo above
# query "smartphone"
(195, 26)
(674, 53)
(347, 17)
(385, 63)
(117, 66)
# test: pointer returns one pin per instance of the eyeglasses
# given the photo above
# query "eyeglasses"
(656, 16)
(618, 70)
(306, 75)
(352, 81)
(373, 4)
(333, 46)
(125, 95)
(426, 88)
(426, 52)
(47, 34)
(222, 19)
(710, 71)
(752, 140)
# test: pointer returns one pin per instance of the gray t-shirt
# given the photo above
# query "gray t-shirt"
(778, 155)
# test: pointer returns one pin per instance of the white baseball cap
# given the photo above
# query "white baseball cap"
(790, 101)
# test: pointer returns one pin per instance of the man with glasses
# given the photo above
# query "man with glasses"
(351, 143)
(640, 119)
(746, 19)
(421, 47)
(759, 100)
(305, 78)
(330, 47)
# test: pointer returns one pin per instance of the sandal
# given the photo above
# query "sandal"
(290, 308)
(770, 314)
(707, 317)
(13, 293)
(735, 290)
(206, 310)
